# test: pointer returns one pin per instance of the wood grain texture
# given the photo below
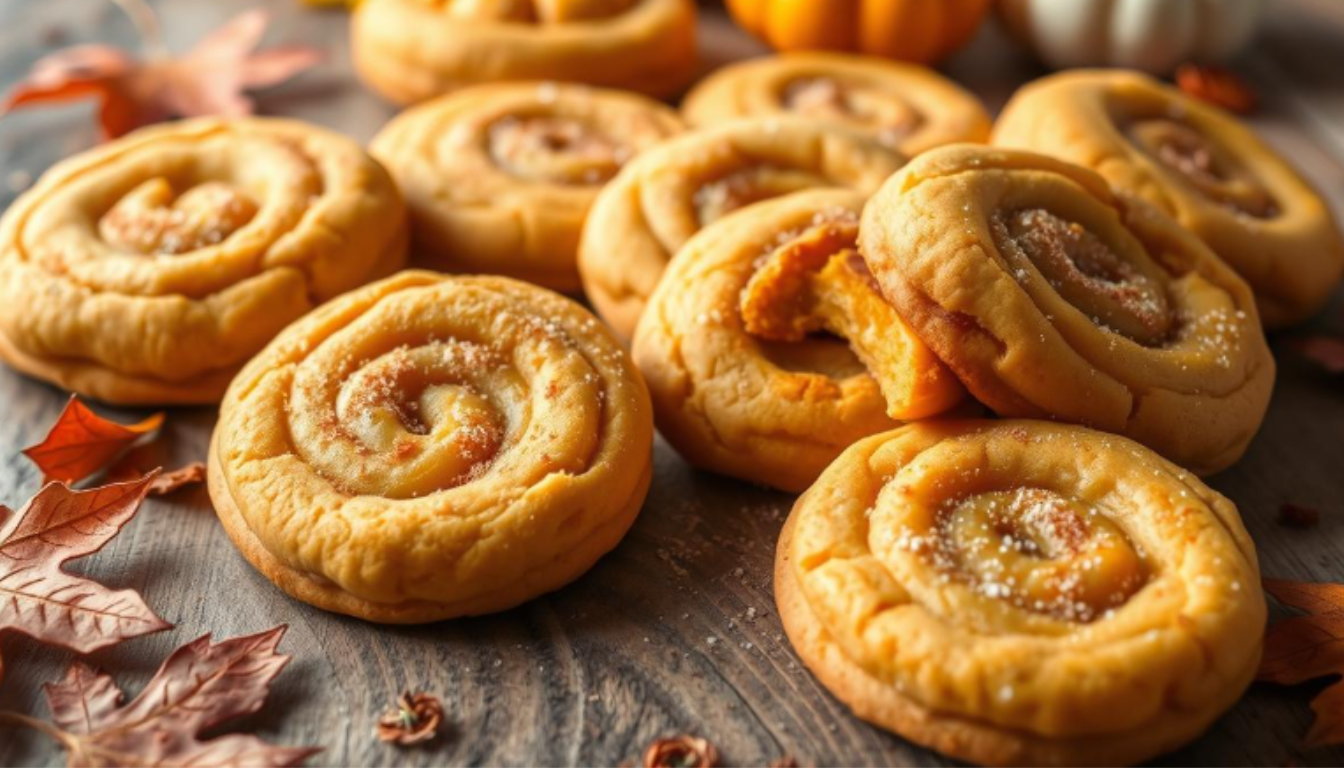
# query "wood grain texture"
(676, 630)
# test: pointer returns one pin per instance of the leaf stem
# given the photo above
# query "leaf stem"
(147, 25)
(47, 729)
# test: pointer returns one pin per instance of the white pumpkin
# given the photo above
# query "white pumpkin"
(1151, 35)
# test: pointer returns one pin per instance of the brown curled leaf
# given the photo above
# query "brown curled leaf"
(683, 751)
(415, 720)
(200, 686)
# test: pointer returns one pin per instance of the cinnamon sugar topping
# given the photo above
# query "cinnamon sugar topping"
(152, 219)
(556, 149)
(1086, 272)
(1037, 550)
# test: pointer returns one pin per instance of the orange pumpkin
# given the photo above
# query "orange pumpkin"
(910, 30)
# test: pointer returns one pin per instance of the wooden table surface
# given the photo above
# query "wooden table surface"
(676, 630)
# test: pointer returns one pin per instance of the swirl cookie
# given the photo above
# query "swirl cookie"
(1051, 297)
(499, 178)
(1200, 165)
(429, 447)
(742, 381)
(410, 50)
(664, 196)
(1021, 593)
(150, 269)
(905, 106)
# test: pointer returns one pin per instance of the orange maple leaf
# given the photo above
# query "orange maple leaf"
(81, 442)
(208, 80)
(1307, 647)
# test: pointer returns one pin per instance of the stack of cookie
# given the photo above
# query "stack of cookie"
(993, 359)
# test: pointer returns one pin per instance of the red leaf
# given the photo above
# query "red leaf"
(208, 80)
(200, 686)
(1307, 647)
(1218, 86)
(81, 442)
(40, 599)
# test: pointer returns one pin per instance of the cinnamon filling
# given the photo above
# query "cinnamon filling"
(153, 220)
(1041, 552)
(1086, 272)
(827, 98)
(556, 149)
(745, 186)
(536, 11)
(1204, 166)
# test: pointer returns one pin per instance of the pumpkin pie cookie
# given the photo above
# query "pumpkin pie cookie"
(499, 178)
(768, 349)
(667, 194)
(411, 50)
(148, 270)
(905, 106)
(1052, 297)
(429, 447)
(1200, 165)
(1022, 593)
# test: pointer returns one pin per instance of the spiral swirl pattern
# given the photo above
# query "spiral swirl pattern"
(742, 380)
(664, 196)
(150, 269)
(411, 50)
(499, 178)
(1198, 164)
(1022, 592)
(905, 106)
(1049, 296)
(429, 447)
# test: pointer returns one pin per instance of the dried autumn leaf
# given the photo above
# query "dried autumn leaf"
(208, 80)
(39, 599)
(81, 442)
(1218, 86)
(1325, 351)
(131, 467)
(415, 720)
(681, 752)
(1307, 647)
(200, 686)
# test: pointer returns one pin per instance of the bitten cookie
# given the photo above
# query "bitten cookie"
(905, 106)
(411, 50)
(499, 178)
(743, 383)
(1051, 297)
(667, 194)
(1022, 593)
(429, 447)
(148, 270)
(1198, 164)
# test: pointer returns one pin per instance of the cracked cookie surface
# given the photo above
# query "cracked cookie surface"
(768, 349)
(664, 196)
